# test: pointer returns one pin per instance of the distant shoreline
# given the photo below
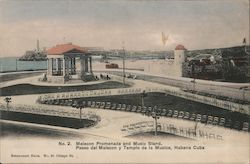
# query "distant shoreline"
(18, 71)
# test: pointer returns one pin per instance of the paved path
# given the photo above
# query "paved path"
(137, 87)
(34, 80)
(231, 90)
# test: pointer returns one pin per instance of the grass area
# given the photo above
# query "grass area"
(18, 75)
(18, 130)
(162, 101)
(47, 120)
(24, 89)
(173, 103)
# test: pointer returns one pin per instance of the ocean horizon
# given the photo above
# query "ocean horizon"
(9, 64)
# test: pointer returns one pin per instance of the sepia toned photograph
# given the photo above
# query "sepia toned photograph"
(125, 81)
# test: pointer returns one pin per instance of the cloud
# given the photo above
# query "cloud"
(21, 36)
(195, 25)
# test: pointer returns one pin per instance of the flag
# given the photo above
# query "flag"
(164, 38)
(244, 41)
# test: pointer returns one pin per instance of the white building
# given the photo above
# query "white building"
(171, 67)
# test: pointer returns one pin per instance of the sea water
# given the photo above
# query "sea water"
(9, 64)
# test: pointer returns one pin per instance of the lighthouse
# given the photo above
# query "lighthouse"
(179, 59)
(37, 45)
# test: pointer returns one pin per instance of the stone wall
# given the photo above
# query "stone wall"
(56, 79)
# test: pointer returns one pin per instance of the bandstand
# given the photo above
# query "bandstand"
(67, 62)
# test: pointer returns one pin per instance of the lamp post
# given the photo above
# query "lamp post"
(79, 106)
(243, 92)
(193, 74)
(7, 100)
(123, 63)
(195, 127)
(144, 94)
(248, 57)
(156, 116)
(193, 81)
(16, 64)
(80, 113)
(245, 44)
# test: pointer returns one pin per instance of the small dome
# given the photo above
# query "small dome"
(180, 47)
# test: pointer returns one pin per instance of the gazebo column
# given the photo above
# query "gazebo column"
(67, 66)
(51, 66)
(71, 66)
(64, 67)
(57, 65)
(74, 64)
(90, 64)
(86, 65)
(48, 67)
(82, 63)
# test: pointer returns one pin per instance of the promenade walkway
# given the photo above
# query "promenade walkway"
(138, 86)
(239, 91)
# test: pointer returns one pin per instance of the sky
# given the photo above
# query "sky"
(196, 24)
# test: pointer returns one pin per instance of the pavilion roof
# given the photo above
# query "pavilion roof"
(60, 49)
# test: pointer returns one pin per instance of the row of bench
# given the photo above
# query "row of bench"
(48, 111)
(203, 118)
(218, 97)
(168, 128)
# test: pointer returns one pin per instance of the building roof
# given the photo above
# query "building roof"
(180, 47)
(60, 49)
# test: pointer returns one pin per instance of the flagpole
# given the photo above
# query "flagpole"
(245, 44)
(164, 40)
(248, 57)
(16, 64)
(123, 63)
